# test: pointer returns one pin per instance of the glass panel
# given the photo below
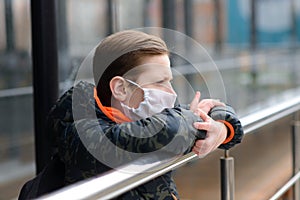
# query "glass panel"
(81, 26)
(16, 117)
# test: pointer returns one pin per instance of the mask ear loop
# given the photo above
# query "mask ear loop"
(134, 83)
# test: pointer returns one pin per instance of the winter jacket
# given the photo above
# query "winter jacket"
(88, 142)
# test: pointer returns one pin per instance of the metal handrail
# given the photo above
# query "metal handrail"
(268, 115)
(286, 186)
(107, 186)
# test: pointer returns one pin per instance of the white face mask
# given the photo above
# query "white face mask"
(154, 102)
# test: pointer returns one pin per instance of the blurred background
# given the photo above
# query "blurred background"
(254, 43)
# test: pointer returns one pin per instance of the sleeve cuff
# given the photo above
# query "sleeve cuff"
(230, 129)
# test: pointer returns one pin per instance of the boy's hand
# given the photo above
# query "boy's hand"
(215, 136)
(205, 105)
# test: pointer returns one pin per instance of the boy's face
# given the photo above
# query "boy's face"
(155, 72)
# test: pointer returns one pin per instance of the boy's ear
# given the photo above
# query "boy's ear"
(117, 87)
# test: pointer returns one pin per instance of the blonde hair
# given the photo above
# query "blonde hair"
(119, 53)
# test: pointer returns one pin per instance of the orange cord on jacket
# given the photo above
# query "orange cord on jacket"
(112, 113)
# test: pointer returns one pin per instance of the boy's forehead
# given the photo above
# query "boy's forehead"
(151, 69)
(153, 72)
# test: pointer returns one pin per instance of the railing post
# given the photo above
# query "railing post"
(296, 153)
(227, 177)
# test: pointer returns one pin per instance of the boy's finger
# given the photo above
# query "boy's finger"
(195, 100)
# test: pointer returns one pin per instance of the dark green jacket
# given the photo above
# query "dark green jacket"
(89, 143)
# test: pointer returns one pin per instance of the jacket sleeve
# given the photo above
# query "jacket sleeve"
(235, 130)
(163, 135)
